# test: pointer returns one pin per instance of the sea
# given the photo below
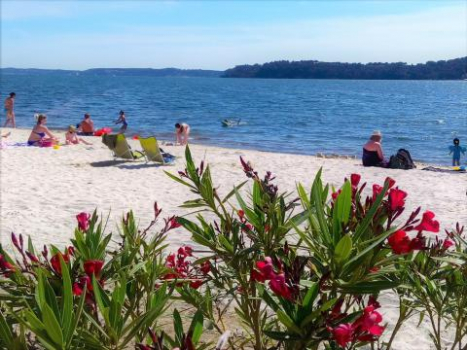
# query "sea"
(289, 116)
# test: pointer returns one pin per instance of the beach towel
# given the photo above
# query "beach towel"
(441, 170)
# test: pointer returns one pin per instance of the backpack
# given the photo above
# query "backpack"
(401, 160)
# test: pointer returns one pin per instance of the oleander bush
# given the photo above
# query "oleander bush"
(294, 271)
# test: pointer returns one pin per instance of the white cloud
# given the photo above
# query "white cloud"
(428, 35)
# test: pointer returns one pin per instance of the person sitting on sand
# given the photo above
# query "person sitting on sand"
(122, 119)
(71, 138)
(40, 131)
(373, 152)
(456, 152)
(86, 127)
(182, 132)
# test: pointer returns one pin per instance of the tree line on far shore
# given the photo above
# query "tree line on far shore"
(455, 69)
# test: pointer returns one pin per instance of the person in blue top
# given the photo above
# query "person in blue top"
(456, 152)
(122, 119)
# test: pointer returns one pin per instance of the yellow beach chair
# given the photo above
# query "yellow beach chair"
(120, 147)
(151, 150)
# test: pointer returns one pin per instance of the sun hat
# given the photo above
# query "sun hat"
(376, 133)
(71, 128)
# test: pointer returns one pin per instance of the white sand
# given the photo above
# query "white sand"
(42, 189)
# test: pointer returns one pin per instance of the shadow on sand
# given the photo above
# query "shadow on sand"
(123, 164)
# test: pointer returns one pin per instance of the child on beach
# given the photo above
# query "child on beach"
(456, 152)
(182, 132)
(122, 119)
(71, 138)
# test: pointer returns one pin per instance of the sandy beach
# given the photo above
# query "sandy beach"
(42, 189)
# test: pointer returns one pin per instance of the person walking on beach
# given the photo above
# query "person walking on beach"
(182, 132)
(9, 110)
(373, 151)
(456, 152)
(86, 126)
(122, 119)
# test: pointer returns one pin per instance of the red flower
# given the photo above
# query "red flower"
(374, 269)
(280, 287)
(185, 251)
(397, 199)
(377, 189)
(77, 290)
(196, 284)
(83, 221)
(391, 182)
(5, 265)
(334, 195)
(205, 267)
(417, 243)
(343, 334)
(355, 180)
(266, 270)
(428, 224)
(172, 223)
(247, 227)
(241, 214)
(447, 244)
(370, 320)
(93, 267)
(55, 262)
(399, 242)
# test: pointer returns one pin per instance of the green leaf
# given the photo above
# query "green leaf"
(52, 327)
(372, 287)
(6, 336)
(231, 193)
(67, 300)
(178, 327)
(344, 203)
(197, 326)
(288, 322)
(343, 249)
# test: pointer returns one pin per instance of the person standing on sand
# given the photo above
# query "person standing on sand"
(9, 109)
(122, 119)
(456, 152)
(373, 151)
(182, 132)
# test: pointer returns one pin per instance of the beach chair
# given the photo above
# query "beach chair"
(151, 149)
(120, 147)
(153, 153)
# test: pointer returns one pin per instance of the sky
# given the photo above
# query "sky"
(65, 34)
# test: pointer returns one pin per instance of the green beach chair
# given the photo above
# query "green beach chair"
(120, 147)
(151, 150)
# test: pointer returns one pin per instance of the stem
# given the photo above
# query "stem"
(402, 317)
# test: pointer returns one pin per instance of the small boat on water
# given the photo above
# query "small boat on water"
(228, 123)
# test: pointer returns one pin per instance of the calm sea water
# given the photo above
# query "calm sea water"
(294, 116)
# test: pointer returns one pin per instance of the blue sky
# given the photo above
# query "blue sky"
(221, 34)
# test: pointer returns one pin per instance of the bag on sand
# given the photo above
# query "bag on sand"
(401, 160)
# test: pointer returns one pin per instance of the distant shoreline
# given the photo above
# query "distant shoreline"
(444, 70)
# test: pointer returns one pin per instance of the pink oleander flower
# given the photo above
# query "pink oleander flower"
(55, 261)
(5, 265)
(447, 244)
(391, 181)
(428, 224)
(265, 270)
(355, 180)
(280, 287)
(93, 267)
(334, 195)
(343, 334)
(205, 267)
(83, 221)
(396, 199)
(399, 242)
(377, 189)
